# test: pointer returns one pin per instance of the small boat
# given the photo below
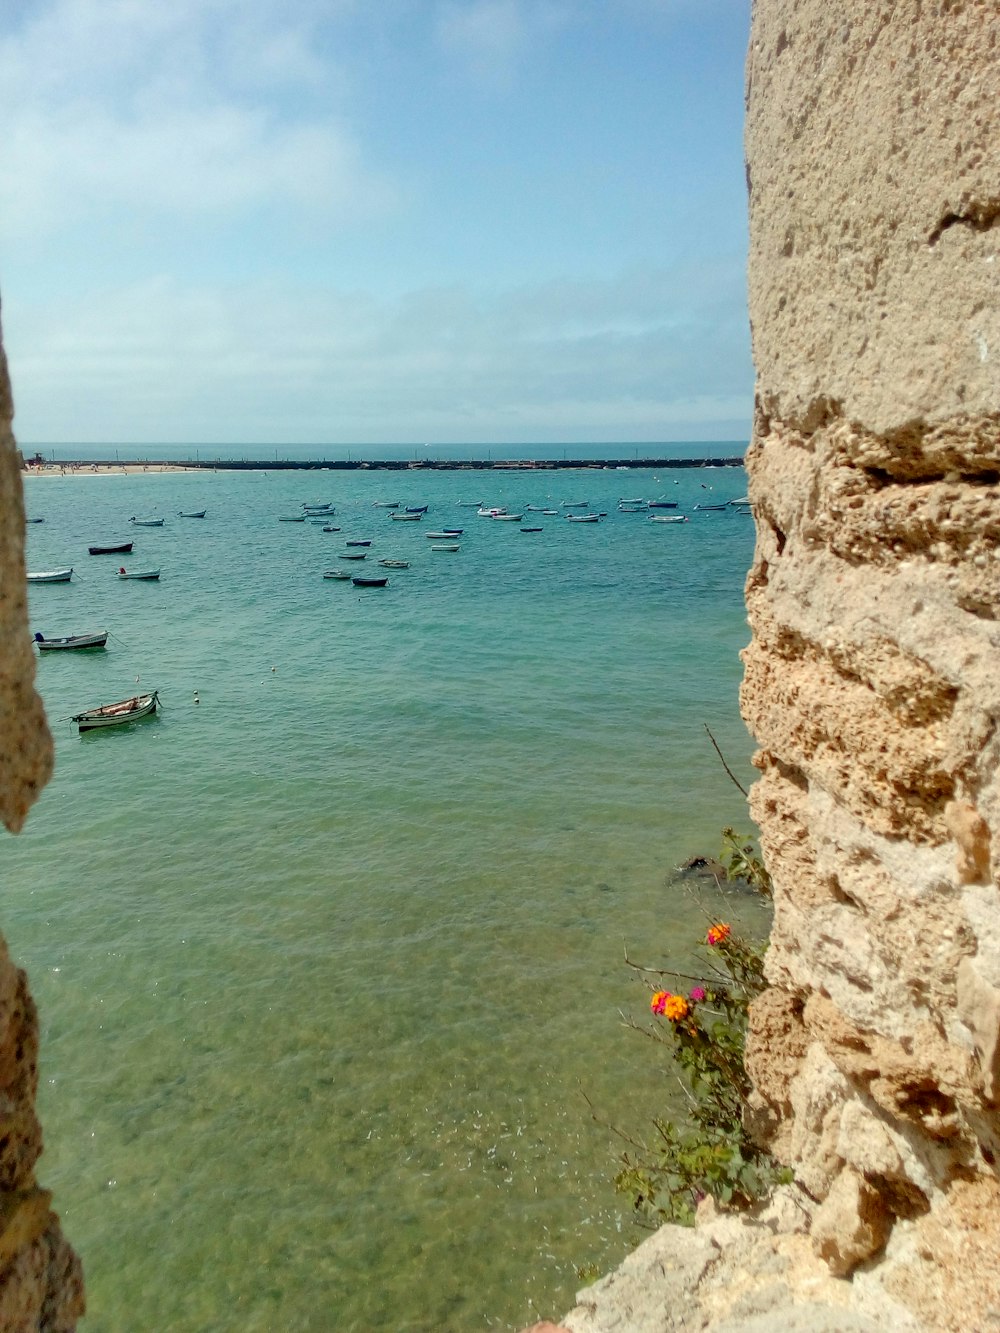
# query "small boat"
(406, 518)
(34, 520)
(663, 504)
(114, 715)
(669, 518)
(444, 534)
(583, 518)
(51, 576)
(193, 513)
(742, 500)
(575, 504)
(336, 573)
(359, 542)
(551, 513)
(469, 504)
(446, 546)
(707, 507)
(146, 522)
(292, 518)
(319, 508)
(370, 582)
(330, 528)
(507, 518)
(385, 504)
(630, 508)
(490, 513)
(146, 574)
(417, 509)
(353, 555)
(533, 509)
(395, 564)
(636, 500)
(72, 641)
(121, 548)
(531, 529)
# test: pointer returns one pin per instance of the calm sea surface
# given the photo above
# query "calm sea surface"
(329, 951)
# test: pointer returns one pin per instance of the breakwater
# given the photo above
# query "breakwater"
(402, 465)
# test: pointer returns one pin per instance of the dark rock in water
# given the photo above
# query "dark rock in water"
(703, 867)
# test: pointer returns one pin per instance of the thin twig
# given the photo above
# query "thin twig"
(715, 746)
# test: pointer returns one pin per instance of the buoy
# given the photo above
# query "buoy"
(274, 668)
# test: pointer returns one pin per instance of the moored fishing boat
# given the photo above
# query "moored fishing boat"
(146, 522)
(668, 518)
(336, 573)
(357, 541)
(120, 548)
(70, 641)
(385, 504)
(417, 509)
(507, 518)
(147, 574)
(370, 582)
(444, 534)
(406, 518)
(50, 575)
(446, 546)
(395, 564)
(115, 715)
(191, 513)
(583, 518)
(353, 555)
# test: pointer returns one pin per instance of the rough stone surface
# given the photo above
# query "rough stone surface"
(41, 1281)
(872, 682)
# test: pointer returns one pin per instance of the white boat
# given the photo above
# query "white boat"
(146, 522)
(292, 518)
(550, 512)
(575, 504)
(490, 513)
(635, 500)
(147, 574)
(445, 535)
(319, 509)
(385, 504)
(632, 506)
(353, 555)
(668, 518)
(583, 518)
(195, 513)
(507, 518)
(406, 518)
(72, 641)
(51, 576)
(445, 546)
(395, 564)
(469, 504)
(336, 573)
(114, 715)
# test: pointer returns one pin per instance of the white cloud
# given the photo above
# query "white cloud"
(112, 105)
(581, 360)
(490, 38)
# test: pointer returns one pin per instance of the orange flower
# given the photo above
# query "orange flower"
(717, 933)
(659, 1001)
(675, 1008)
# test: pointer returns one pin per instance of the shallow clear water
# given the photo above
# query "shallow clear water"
(327, 960)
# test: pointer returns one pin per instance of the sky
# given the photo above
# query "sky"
(368, 221)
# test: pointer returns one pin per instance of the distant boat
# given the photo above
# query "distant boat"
(406, 518)
(446, 546)
(531, 529)
(533, 509)
(417, 509)
(147, 574)
(743, 500)
(319, 508)
(395, 564)
(470, 504)
(146, 522)
(632, 506)
(373, 582)
(292, 518)
(707, 507)
(34, 520)
(353, 555)
(637, 500)
(358, 542)
(507, 518)
(51, 576)
(330, 528)
(194, 513)
(669, 518)
(72, 641)
(491, 512)
(662, 504)
(114, 715)
(444, 534)
(385, 504)
(583, 518)
(575, 504)
(337, 574)
(550, 512)
(122, 548)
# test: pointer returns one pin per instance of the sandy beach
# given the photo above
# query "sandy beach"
(101, 469)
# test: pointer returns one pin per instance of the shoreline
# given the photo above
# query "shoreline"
(104, 467)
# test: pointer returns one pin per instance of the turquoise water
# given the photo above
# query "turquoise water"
(327, 960)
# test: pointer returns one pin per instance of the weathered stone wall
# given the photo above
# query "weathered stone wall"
(41, 1283)
(872, 682)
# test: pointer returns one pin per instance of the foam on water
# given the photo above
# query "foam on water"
(325, 959)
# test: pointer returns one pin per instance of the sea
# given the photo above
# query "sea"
(333, 955)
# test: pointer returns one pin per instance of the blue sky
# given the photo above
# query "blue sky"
(374, 220)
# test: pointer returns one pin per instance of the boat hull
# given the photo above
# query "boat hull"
(123, 548)
(119, 714)
(71, 641)
(51, 576)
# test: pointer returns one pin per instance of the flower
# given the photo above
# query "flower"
(675, 1008)
(697, 993)
(659, 1001)
(717, 933)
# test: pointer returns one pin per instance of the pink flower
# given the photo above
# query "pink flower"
(697, 993)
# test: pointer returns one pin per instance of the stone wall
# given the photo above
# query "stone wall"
(872, 683)
(41, 1283)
